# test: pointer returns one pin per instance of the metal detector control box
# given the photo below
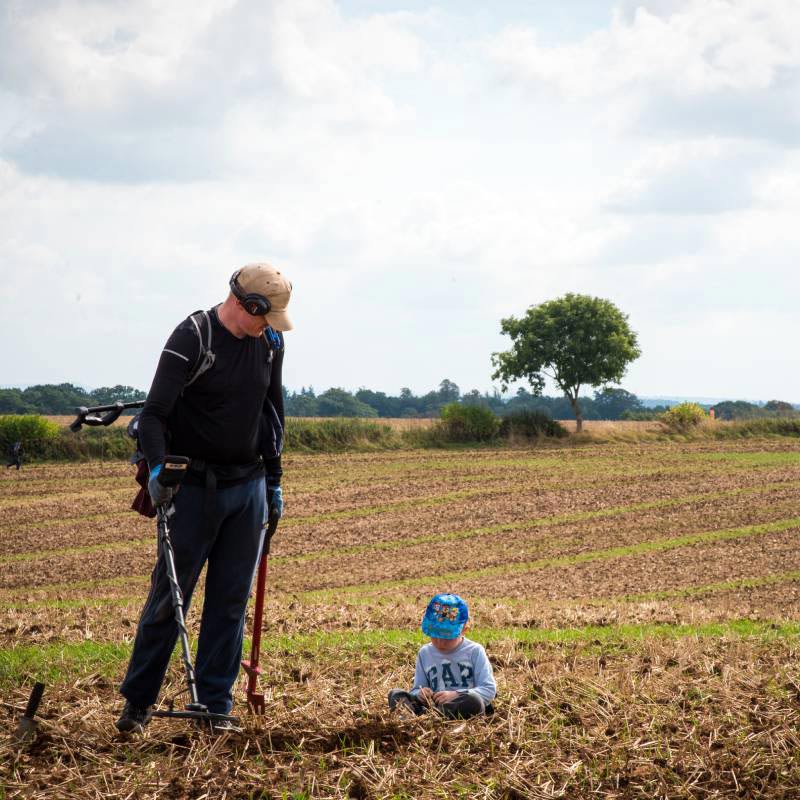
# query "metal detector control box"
(173, 470)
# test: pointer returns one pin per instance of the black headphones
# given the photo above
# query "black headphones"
(254, 304)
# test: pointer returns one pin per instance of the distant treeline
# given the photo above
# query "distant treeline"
(63, 398)
(606, 404)
(739, 409)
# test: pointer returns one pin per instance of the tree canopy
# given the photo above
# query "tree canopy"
(62, 398)
(574, 340)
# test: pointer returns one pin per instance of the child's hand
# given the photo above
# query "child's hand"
(444, 696)
(425, 695)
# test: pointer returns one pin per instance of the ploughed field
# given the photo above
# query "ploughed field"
(640, 603)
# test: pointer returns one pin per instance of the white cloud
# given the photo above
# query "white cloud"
(690, 177)
(646, 62)
(141, 91)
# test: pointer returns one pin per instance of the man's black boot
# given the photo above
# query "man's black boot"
(133, 718)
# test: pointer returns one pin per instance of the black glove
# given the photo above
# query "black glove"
(160, 494)
(274, 500)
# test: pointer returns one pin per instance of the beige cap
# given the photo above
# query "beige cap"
(264, 279)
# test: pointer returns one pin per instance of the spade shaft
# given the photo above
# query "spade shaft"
(26, 727)
(255, 699)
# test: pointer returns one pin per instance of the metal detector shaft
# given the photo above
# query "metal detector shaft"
(171, 473)
(165, 543)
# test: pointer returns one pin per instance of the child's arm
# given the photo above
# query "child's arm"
(420, 678)
(483, 676)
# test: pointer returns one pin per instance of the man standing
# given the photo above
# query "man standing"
(15, 451)
(217, 398)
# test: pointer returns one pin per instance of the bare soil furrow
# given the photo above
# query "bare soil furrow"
(693, 565)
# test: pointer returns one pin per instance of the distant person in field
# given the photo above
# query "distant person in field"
(453, 675)
(15, 451)
(228, 418)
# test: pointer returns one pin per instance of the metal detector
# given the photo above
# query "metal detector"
(172, 473)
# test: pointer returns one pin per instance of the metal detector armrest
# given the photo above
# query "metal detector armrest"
(92, 418)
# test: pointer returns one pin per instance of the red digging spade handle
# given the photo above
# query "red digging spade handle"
(255, 699)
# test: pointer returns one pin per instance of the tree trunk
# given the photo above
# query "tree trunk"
(578, 415)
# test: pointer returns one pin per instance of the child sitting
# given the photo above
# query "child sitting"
(453, 675)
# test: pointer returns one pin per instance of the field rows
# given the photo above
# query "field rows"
(641, 606)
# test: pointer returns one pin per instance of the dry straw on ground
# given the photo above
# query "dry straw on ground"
(640, 603)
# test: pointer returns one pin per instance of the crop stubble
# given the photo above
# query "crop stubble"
(685, 718)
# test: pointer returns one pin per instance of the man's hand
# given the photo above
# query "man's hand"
(274, 501)
(425, 695)
(445, 696)
(160, 495)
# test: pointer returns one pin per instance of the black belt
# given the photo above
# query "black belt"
(223, 472)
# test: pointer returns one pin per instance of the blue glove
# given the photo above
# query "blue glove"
(160, 495)
(274, 501)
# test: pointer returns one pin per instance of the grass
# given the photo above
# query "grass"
(335, 435)
(749, 460)
(78, 494)
(714, 588)
(63, 522)
(686, 592)
(122, 580)
(57, 663)
(109, 547)
(63, 605)
(532, 524)
(621, 431)
(421, 503)
(659, 545)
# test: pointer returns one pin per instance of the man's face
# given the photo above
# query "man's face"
(252, 326)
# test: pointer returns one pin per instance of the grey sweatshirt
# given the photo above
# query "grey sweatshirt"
(465, 669)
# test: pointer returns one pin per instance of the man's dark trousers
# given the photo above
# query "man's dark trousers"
(232, 546)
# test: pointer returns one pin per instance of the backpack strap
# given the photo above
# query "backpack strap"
(205, 356)
(274, 339)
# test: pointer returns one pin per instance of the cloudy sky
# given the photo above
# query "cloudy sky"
(418, 169)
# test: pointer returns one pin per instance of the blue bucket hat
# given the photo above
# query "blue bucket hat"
(445, 617)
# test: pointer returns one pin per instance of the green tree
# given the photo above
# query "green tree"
(303, 404)
(613, 403)
(473, 398)
(408, 403)
(49, 398)
(378, 400)
(737, 409)
(448, 391)
(340, 403)
(107, 395)
(13, 402)
(575, 340)
(780, 408)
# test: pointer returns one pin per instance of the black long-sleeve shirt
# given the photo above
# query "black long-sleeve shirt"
(221, 417)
